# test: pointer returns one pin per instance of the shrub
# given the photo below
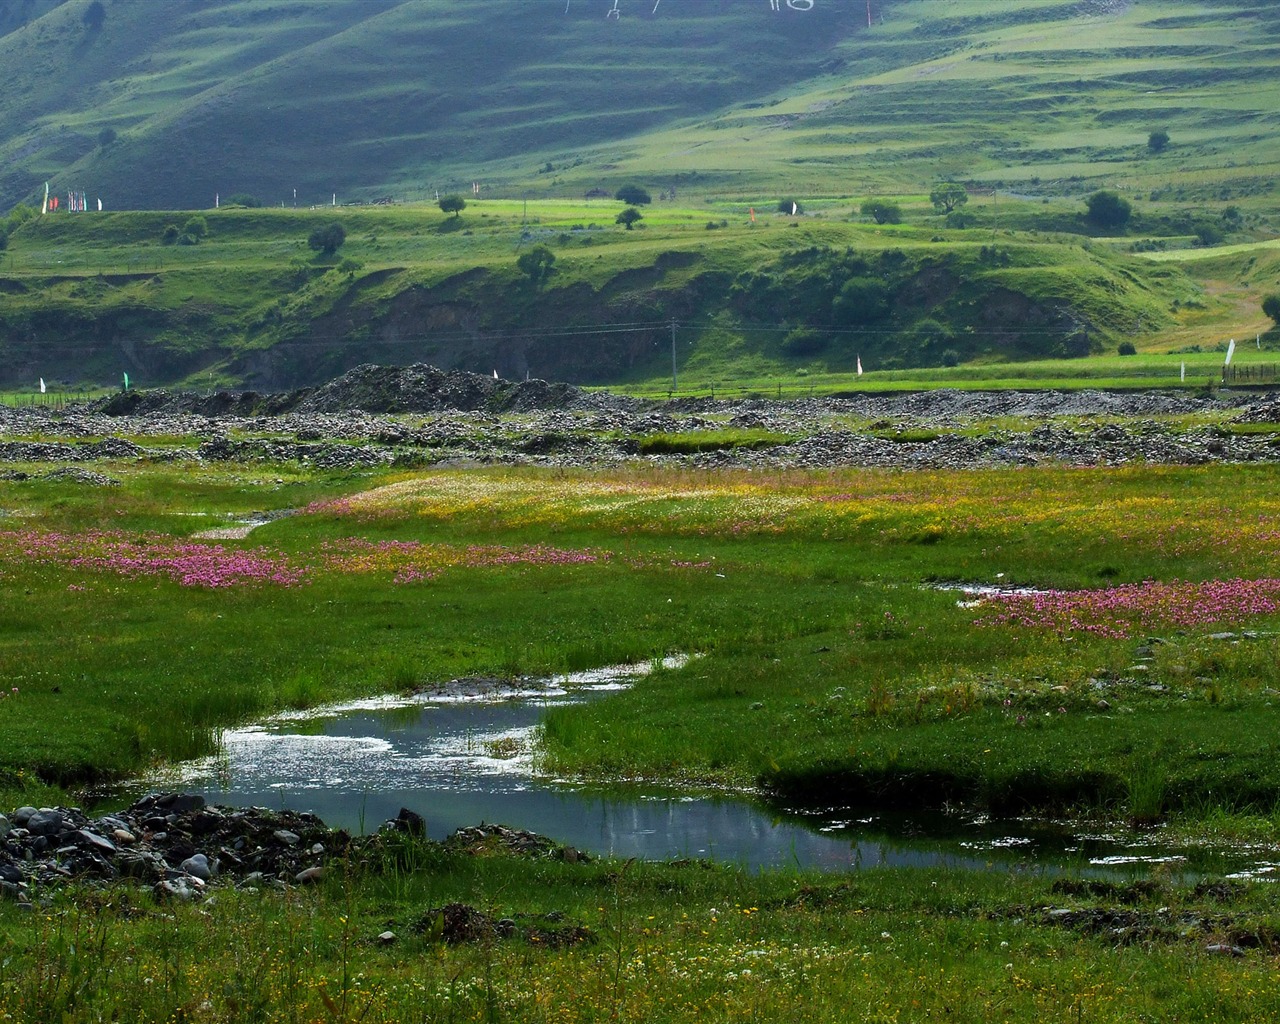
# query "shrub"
(633, 195)
(948, 195)
(628, 217)
(327, 239)
(196, 227)
(791, 207)
(882, 212)
(170, 235)
(106, 137)
(961, 219)
(862, 300)
(1271, 306)
(950, 357)
(452, 204)
(1108, 209)
(1157, 140)
(1127, 349)
(537, 264)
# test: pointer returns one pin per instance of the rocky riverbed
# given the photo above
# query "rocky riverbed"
(419, 416)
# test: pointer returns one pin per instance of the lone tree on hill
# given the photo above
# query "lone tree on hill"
(106, 137)
(452, 204)
(948, 195)
(1271, 306)
(633, 195)
(1108, 210)
(538, 264)
(328, 239)
(628, 217)
(882, 212)
(1157, 140)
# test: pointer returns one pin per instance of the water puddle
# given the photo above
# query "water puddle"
(466, 756)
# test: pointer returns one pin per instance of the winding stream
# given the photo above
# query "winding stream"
(462, 759)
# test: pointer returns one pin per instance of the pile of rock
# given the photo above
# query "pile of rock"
(175, 843)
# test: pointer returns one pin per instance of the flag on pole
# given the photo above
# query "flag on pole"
(1231, 350)
(42, 388)
(45, 206)
(495, 374)
(859, 366)
(1184, 371)
(126, 380)
(99, 205)
(753, 213)
(794, 209)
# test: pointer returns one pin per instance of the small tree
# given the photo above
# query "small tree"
(628, 217)
(948, 196)
(106, 137)
(633, 195)
(1157, 140)
(882, 212)
(452, 204)
(1108, 210)
(1271, 306)
(537, 264)
(1127, 348)
(328, 239)
(196, 227)
(790, 207)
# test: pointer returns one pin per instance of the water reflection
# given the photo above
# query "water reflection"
(462, 760)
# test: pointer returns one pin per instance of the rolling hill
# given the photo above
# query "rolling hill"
(400, 98)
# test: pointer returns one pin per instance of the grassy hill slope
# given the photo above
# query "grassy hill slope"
(541, 98)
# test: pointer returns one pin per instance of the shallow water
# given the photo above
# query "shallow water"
(461, 760)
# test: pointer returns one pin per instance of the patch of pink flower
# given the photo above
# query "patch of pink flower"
(188, 563)
(1120, 612)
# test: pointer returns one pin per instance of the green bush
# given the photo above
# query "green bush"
(882, 212)
(1127, 349)
(633, 195)
(1271, 306)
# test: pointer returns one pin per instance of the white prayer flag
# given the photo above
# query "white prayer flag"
(859, 366)
(42, 388)
(1231, 350)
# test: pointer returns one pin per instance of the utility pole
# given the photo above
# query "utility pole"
(673, 355)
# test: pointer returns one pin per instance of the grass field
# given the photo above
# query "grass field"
(1139, 686)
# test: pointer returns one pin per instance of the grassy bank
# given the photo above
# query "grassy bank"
(654, 943)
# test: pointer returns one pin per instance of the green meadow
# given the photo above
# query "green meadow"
(834, 668)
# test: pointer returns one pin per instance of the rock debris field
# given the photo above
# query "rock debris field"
(419, 416)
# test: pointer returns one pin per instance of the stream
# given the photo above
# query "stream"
(462, 759)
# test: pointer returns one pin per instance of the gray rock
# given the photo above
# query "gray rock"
(23, 815)
(309, 876)
(93, 841)
(46, 822)
(197, 865)
(286, 837)
(4, 826)
(387, 938)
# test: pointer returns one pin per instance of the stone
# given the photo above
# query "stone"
(410, 821)
(309, 876)
(286, 837)
(93, 841)
(123, 837)
(197, 865)
(46, 822)
(386, 938)
(23, 815)
(4, 826)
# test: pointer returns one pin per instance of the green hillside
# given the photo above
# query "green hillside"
(720, 108)
(372, 98)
